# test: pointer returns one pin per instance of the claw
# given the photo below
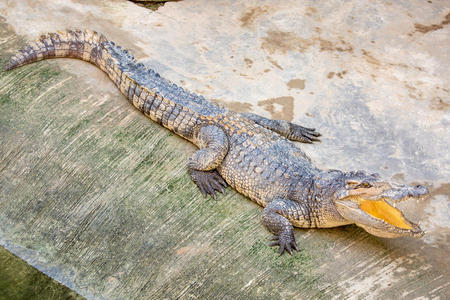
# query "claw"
(294, 246)
(274, 244)
(303, 134)
(288, 248)
(314, 133)
(285, 242)
(209, 182)
(222, 181)
(306, 128)
(220, 189)
(216, 185)
(202, 190)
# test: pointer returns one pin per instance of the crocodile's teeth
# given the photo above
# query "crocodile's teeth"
(390, 202)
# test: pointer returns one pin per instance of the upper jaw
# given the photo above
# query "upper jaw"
(383, 190)
(404, 192)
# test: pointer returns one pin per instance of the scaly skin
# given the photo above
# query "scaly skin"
(252, 154)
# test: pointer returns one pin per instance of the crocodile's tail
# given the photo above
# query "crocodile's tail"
(85, 45)
(158, 98)
(95, 48)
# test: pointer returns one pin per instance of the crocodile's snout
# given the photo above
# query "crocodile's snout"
(404, 192)
(372, 205)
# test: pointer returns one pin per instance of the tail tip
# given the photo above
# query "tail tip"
(7, 67)
(12, 64)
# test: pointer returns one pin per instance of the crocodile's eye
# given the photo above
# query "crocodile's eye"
(354, 184)
(364, 185)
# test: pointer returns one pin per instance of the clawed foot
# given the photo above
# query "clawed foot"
(286, 241)
(208, 182)
(303, 134)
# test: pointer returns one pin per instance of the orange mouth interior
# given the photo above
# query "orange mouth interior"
(381, 210)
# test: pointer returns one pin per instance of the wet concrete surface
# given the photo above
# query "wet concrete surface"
(372, 77)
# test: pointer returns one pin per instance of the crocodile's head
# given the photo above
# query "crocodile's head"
(371, 204)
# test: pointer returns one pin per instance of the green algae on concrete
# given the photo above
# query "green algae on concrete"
(18, 280)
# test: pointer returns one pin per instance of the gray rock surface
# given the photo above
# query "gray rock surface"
(96, 196)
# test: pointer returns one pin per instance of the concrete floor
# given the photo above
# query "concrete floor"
(371, 76)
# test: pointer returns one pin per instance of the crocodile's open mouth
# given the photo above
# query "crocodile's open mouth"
(380, 209)
(378, 214)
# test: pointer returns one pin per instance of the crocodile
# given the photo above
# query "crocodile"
(254, 155)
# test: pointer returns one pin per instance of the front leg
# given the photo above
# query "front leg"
(213, 144)
(287, 129)
(276, 217)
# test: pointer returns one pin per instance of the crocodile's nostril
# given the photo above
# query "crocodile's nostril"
(422, 190)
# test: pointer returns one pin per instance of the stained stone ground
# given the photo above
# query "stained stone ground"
(97, 197)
